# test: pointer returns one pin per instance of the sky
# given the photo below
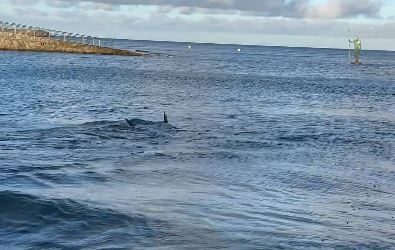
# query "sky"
(295, 23)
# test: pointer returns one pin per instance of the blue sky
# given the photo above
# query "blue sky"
(311, 23)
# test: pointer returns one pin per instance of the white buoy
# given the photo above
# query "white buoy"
(238, 50)
(189, 46)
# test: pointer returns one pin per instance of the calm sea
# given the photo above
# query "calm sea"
(267, 148)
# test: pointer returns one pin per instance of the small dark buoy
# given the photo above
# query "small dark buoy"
(347, 222)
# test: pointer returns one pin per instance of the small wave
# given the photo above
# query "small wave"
(143, 51)
(162, 54)
(82, 134)
(41, 222)
(149, 126)
(123, 124)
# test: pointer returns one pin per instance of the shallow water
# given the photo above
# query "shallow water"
(267, 148)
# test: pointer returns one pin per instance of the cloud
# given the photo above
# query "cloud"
(269, 8)
(267, 26)
(345, 8)
(25, 2)
(60, 4)
(104, 22)
(82, 4)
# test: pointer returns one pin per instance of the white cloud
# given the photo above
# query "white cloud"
(345, 8)
(270, 8)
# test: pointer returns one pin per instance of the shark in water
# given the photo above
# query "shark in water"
(134, 122)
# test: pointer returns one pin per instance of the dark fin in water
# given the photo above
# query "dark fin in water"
(165, 117)
(130, 122)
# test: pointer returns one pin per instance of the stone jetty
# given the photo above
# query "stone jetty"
(38, 41)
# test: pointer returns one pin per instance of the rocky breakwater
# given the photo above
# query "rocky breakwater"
(30, 32)
(26, 42)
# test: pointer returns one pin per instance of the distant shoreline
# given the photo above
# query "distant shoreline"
(246, 45)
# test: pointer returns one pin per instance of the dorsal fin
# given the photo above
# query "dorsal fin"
(165, 117)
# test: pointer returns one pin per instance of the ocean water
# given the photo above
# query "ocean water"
(268, 148)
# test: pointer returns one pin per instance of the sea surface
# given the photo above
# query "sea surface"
(266, 148)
